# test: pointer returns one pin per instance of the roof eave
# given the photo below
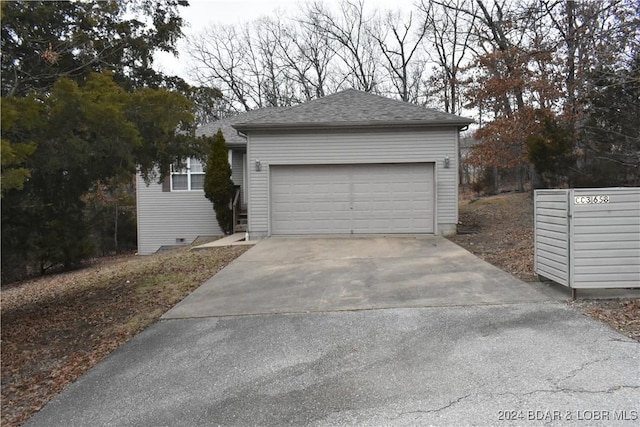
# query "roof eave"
(237, 145)
(242, 127)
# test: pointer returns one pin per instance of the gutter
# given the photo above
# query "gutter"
(242, 127)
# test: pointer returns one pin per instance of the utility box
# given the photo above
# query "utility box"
(588, 238)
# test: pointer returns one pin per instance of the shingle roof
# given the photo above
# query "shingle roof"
(351, 108)
(231, 136)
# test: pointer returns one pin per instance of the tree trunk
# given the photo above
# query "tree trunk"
(115, 232)
(536, 179)
(520, 178)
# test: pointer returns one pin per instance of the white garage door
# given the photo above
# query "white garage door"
(352, 199)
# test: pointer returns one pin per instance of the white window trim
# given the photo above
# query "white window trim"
(186, 171)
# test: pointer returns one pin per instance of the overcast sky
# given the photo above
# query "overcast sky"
(200, 13)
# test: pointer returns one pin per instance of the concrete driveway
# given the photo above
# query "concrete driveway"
(362, 332)
(317, 275)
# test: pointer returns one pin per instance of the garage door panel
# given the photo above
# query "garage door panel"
(338, 199)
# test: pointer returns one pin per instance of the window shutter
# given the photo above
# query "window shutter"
(166, 184)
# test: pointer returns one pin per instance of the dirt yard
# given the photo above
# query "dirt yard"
(499, 229)
(57, 327)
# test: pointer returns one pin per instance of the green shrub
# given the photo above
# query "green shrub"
(218, 186)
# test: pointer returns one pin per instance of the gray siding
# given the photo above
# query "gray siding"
(353, 147)
(605, 248)
(164, 217)
(552, 235)
(584, 244)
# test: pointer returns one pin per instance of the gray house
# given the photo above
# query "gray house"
(351, 163)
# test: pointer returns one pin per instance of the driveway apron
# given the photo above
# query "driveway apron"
(367, 331)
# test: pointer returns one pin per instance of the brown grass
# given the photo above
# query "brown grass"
(499, 229)
(55, 328)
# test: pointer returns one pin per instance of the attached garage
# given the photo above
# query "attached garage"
(352, 199)
(352, 163)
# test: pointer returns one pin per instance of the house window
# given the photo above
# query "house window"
(189, 178)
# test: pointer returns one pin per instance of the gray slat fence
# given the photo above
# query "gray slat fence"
(588, 238)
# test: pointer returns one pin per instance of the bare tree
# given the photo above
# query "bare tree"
(451, 24)
(598, 44)
(264, 65)
(399, 40)
(219, 55)
(277, 61)
(350, 29)
(245, 62)
(590, 34)
(306, 54)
